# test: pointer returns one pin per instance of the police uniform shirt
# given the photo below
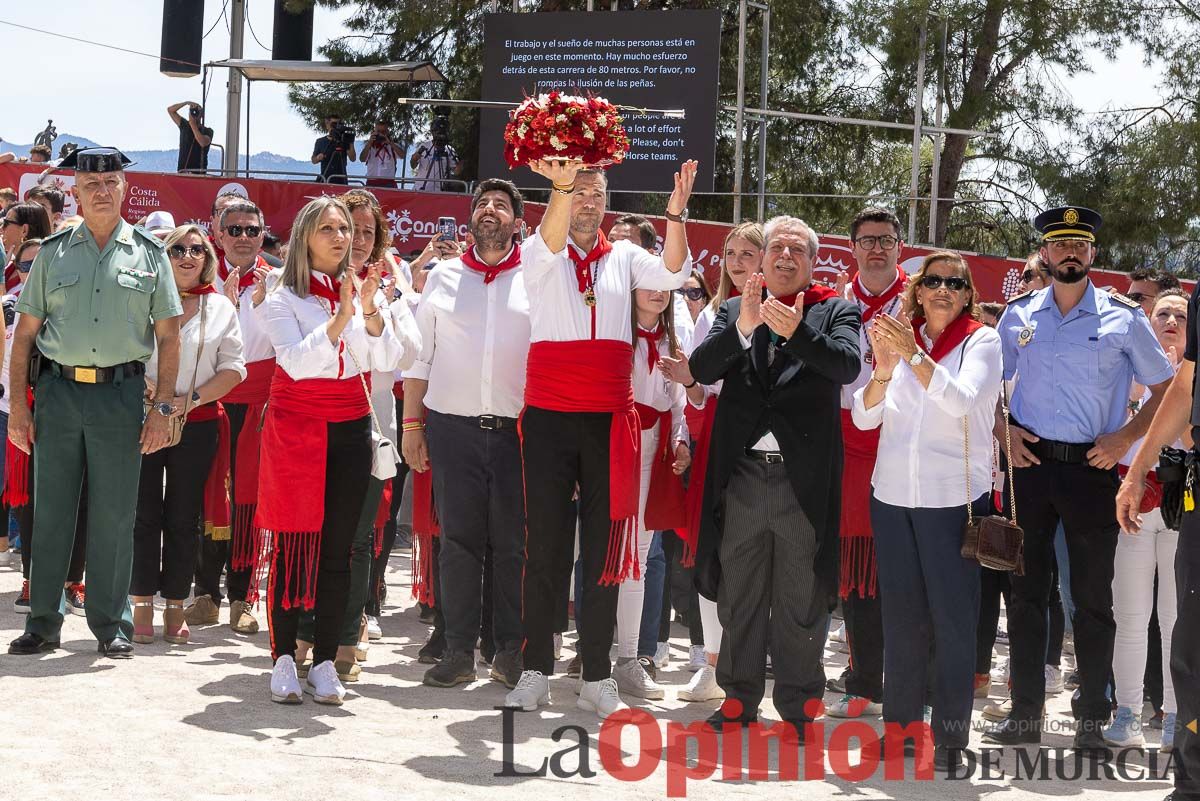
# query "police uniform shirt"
(98, 306)
(1075, 370)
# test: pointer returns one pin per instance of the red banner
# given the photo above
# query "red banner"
(412, 218)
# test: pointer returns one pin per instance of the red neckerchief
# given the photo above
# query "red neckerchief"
(245, 277)
(12, 276)
(322, 290)
(198, 290)
(734, 291)
(582, 263)
(873, 303)
(813, 295)
(362, 274)
(651, 338)
(963, 326)
(472, 260)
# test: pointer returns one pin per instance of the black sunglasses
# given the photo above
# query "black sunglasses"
(953, 283)
(236, 231)
(9, 221)
(692, 292)
(25, 266)
(179, 251)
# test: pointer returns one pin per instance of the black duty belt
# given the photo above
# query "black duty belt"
(770, 457)
(95, 375)
(493, 423)
(1065, 452)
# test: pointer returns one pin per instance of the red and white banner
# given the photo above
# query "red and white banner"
(413, 216)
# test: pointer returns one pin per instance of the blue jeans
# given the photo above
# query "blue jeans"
(656, 574)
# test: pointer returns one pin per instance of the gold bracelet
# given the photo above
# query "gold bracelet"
(563, 190)
(372, 314)
(880, 380)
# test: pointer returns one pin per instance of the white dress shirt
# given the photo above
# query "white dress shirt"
(9, 330)
(256, 345)
(892, 307)
(222, 346)
(767, 441)
(382, 381)
(921, 455)
(474, 341)
(556, 309)
(652, 388)
(297, 329)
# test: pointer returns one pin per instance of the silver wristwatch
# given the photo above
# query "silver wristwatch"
(917, 357)
(164, 408)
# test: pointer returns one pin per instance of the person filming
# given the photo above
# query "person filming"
(380, 156)
(194, 138)
(332, 150)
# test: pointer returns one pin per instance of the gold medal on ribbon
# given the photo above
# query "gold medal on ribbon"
(589, 297)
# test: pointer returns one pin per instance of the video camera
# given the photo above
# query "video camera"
(342, 134)
(439, 127)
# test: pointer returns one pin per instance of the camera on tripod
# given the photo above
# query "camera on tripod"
(342, 134)
(439, 127)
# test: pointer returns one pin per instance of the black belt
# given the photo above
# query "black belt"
(770, 457)
(1065, 452)
(493, 423)
(94, 375)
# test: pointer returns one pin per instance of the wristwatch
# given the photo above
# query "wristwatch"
(679, 218)
(164, 408)
(917, 357)
(196, 396)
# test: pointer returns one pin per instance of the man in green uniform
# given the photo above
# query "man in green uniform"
(98, 298)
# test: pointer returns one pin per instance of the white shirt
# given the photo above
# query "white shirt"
(9, 330)
(767, 441)
(256, 345)
(700, 328)
(222, 346)
(652, 388)
(685, 329)
(381, 161)
(297, 328)
(432, 168)
(920, 462)
(892, 307)
(382, 381)
(556, 309)
(474, 341)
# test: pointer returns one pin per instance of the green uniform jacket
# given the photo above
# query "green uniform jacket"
(99, 307)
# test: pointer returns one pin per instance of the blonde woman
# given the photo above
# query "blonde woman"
(169, 512)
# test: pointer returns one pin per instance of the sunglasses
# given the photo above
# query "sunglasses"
(25, 266)
(884, 242)
(236, 231)
(1029, 275)
(1136, 297)
(953, 283)
(9, 221)
(692, 292)
(179, 251)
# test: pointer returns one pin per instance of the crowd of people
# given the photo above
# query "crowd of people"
(578, 419)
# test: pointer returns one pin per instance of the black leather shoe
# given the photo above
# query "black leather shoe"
(28, 644)
(717, 720)
(946, 759)
(1090, 742)
(1014, 731)
(116, 648)
(433, 649)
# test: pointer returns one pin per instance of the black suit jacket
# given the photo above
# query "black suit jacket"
(799, 398)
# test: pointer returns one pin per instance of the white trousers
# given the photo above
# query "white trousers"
(1133, 599)
(711, 623)
(633, 591)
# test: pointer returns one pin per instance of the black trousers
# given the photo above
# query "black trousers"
(993, 585)
(864, 637)
(560, 450)
(78, 549)
(479, 492)
(1084, 499)
(1185, 659)
(347, 468)
(215, 556)
(169, 519)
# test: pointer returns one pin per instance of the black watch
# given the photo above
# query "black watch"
(196, 396)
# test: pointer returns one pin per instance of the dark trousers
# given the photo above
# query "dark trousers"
(1083, 498)
(78, 547)
(380, 562)
(1185, 659)
(479, 493)
(930, 599)
(560, 450)
(864, 637)
(993, 585)
(769, 593)
(214, 556)
(169, 519)
(347, 469)
(94, 427)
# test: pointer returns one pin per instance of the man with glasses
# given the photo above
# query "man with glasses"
(1146, 283)
(1035, 276)
(242, 275)
(1076, 349)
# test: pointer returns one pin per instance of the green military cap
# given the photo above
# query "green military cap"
(1068, 222)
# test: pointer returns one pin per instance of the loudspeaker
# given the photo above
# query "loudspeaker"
(182, 32)
(291, 38)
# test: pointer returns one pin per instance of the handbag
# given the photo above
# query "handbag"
(1176, 473)
(175, 424)
(993, 541)
(383, 451)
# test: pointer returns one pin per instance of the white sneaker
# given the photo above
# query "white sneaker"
(285, 684)
(1054, 680)
(9, 557)
(703, 686)
(324, 684)
(1000, 671)
(838, 634)
(374, 632)
(557, 647)
(601, 696)
(532, 691)
(854, 706)
(662, 655)
(632, 679)
(697, 659)
(1069, 644)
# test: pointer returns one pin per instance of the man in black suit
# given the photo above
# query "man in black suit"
(768, 547)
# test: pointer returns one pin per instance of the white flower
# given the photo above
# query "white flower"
(561, 118)
(601, 120)
(556, 144)
(587, 134)
(522, 130)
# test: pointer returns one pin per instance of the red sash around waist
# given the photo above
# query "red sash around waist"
(256, 388)
(596, 375)
(696, 478)
(666, 503)
(18, 475)
(858, 570)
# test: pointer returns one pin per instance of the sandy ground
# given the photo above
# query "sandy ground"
(196, 722)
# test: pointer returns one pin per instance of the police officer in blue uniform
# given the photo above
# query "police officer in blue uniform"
(1180, 410)
(1075, 349)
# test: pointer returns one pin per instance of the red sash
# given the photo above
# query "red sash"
(666, 504)
(425, 528)
(291, 488)
(18, 472)
(596, 375)
(381, 516)
(696, 479)
(216, 486)
(1151, 498)
(858, 571)
(247, 541)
